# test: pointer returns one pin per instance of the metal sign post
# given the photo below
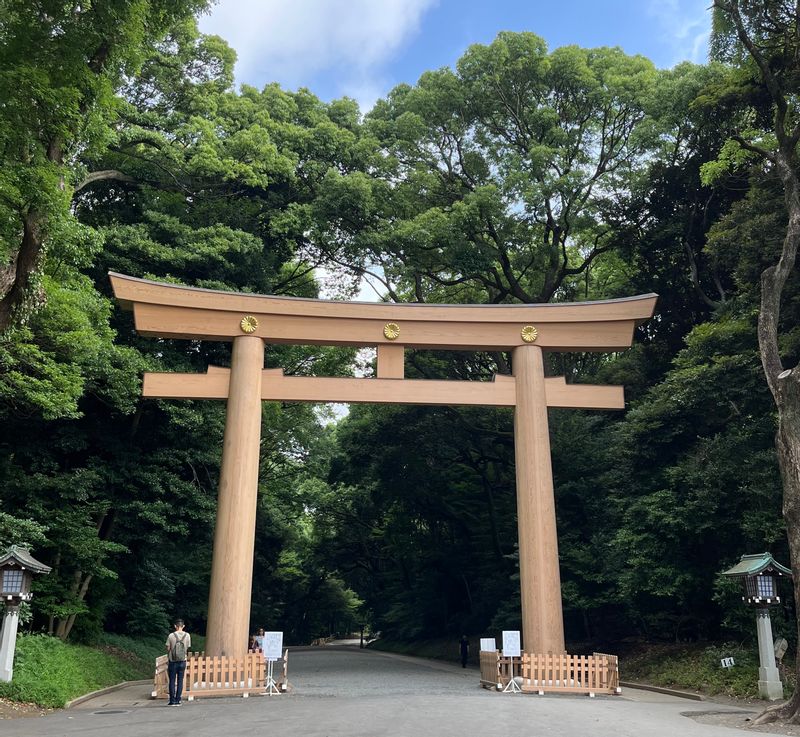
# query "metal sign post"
(512, 686)
(272, 687)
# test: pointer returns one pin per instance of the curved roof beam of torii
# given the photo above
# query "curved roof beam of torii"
(173, 311)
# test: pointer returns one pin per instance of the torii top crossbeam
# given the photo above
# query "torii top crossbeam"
(172, 311)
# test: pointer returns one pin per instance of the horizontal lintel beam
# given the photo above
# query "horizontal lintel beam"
(276, 387)
(191, 322)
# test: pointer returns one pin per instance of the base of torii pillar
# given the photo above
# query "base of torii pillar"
(234, 534)
(540, 579)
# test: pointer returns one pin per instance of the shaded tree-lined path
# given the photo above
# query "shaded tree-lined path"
(347, 692)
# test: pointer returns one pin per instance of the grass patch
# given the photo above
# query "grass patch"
(697, 668)
(128, 648)
(50, 672)
(145, 649)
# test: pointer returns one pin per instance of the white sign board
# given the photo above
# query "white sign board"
(488, 644)
(727, 662)
(511, 647)
(273, 645)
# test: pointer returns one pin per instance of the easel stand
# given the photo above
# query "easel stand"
(272, 687)
(512, 686)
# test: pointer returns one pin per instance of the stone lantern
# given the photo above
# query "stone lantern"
(760, 574)
(17, 567)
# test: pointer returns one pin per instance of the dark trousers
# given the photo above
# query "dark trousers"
(176, 670)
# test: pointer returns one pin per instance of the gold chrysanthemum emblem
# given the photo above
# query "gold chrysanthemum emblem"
(248, 324)
(391, 330)
(529, 333)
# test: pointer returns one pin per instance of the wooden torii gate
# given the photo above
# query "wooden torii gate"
(249, 321)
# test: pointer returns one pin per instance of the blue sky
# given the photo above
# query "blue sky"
(362, 48)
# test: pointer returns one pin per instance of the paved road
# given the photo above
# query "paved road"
(353, 693)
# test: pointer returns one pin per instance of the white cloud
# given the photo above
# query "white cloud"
(290, 42)
(686, 24)
(365, 91)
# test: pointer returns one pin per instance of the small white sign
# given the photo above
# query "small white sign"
(511, 647)
(727, 662)
(488, 643)
(273, 645)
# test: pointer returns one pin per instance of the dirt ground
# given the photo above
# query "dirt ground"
(739, 714)
(16, 709)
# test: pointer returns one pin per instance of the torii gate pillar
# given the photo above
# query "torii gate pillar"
(234, 534)
(540, 580)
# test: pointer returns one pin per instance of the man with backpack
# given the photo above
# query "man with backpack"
(178, 645)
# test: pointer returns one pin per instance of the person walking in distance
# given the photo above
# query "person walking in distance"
(178, 645)
(464, 648)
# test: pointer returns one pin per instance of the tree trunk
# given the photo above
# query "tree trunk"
(61, 630)
(51, 619)
(787, 443)
(784, 384)
(80, 583)
(17, 275)
(81, 596)
(79, 589)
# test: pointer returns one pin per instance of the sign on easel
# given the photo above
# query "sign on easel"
(273, 645)
(511, 646)
(488, 644)
(511, 649)
(273, 650)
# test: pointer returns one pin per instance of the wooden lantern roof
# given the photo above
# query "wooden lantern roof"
(756, 565)
(21, 557)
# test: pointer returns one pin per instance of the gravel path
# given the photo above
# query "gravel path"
(349, 672)
(353, 693)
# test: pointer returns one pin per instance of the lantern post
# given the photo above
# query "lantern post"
(17, 567)
(760, 574)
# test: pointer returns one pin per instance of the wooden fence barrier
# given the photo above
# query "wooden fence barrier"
(490, 669)
(222, 676)
(539, 673)
(613, 671)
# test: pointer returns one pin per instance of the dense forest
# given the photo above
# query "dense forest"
(521, 175)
